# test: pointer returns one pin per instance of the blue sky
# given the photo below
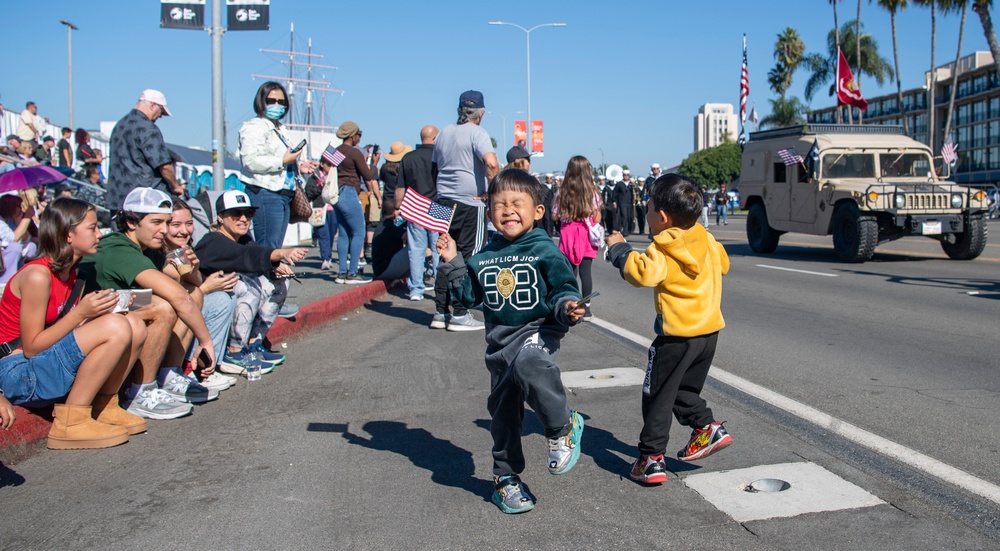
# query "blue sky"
(626, 78)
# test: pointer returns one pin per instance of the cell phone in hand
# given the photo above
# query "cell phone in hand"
(375, 149)
(204, 360)
(299, 147)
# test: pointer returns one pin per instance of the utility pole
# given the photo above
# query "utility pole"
(218, 124)
(69, 41)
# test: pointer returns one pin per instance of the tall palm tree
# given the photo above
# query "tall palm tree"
(836, 36)
(982, 8)
(931, 134)
(788, 52)
(857, 36)
(892, 6)
(948, 6)
(785, 112)
(824, 67)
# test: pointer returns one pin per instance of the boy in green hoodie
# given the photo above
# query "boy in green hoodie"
(530, 299)
(685, 265)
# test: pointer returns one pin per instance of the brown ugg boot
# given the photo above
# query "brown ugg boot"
(107, 410)
(73, 428)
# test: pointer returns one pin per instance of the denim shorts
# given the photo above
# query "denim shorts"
(45, 378)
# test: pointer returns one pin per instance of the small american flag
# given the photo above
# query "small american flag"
(425, 213)
(948, 152)
(790, 156)
(332, 156)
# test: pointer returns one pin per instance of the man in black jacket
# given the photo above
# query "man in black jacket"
(415, 173)
(623, 205)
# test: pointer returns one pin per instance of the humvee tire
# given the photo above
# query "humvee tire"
(762, 237)
(968, 244)
(854, 236)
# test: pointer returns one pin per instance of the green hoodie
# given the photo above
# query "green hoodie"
(523, 285)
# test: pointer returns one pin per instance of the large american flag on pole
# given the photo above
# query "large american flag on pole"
(948, 150)
(425, 213)
(744, 85)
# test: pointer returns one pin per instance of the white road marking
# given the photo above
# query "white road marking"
(824, 274)
(870, 440)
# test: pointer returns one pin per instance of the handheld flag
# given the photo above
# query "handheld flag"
(949, 151)
(848, 92)
(332, 156)
(790, 156)
(812, 159)
(425, 213)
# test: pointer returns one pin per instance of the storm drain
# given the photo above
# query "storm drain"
(777, 491)
(603, 378)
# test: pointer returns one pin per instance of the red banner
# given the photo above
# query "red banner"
(848, 92)
(537, 138)
(521, 134)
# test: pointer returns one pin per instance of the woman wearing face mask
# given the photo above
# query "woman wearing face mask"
(269, 166)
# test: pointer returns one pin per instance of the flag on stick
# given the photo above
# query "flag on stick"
(425, 213)
(812, 159)
(790, 156)
(949, 151)
(332, 156)
(848, 92)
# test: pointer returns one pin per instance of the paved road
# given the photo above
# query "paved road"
(374, 436)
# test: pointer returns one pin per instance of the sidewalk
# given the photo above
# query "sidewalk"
(320, 299)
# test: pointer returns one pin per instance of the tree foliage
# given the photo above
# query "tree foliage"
(785, 112)
(824, 66)
(788, 52)
(713, 166)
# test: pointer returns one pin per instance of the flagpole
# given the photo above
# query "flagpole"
(452, 217)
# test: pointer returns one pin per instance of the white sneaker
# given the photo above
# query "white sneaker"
(218, 382)
(186, 389)
(157, 404)
(465, 323)
(326, 265)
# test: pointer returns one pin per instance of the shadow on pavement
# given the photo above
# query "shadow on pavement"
(388, 308)
(449, 464)
(9, 477)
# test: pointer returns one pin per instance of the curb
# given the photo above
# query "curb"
(33, 425)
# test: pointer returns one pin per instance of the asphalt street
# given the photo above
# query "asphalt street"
(375, 435)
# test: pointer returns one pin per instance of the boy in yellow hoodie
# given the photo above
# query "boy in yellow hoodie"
(685, 265)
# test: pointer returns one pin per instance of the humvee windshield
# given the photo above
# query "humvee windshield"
(849, 165)
(904, 164)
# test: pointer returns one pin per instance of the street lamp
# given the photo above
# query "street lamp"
(69, 41)
(527, 33)
(504, 118)
(602, 155)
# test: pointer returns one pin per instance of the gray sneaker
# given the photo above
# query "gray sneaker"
(186, 389)
(157, 404)
(465, 323)
(439, 321)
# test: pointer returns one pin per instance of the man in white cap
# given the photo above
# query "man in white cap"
(645, 190)
(131, 258)
(138, 155)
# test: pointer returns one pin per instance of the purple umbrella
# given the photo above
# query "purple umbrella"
(29, 176)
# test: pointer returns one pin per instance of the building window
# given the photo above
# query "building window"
(963, 138)
(979, 111)
(994, 158)
(963, 115)
(978, 159)
(921, 125)
(979, 135)
(907, 102)
(964, 89)
(979, 84)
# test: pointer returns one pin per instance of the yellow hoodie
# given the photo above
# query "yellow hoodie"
(686, 268)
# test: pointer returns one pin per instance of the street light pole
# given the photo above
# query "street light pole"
(69, 42)
(602, 156)
(504, 118)
(527, 33)
(218, 124)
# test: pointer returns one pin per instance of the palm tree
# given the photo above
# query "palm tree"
(948, 6)
(788, 51)
(857, 48)
(824, 67)
(836, 36)
(785, 112)
(931, 134)
(892, 6)
(982, 8)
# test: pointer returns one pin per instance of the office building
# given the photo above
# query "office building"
(713, 122)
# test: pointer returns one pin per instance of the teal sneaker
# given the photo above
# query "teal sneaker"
(511, 496)
(266, 355)
(565, 450)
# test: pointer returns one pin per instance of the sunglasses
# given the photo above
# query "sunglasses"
(279, 101)
(237, 213)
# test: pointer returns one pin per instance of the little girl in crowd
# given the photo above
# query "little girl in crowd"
(577, 204)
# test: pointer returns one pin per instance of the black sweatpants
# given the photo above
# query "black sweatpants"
(524, 371)
(640, 218)
(675, 375)
(468, 229)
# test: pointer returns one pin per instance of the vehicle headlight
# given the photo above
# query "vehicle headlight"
(956, 200)
(899, 200)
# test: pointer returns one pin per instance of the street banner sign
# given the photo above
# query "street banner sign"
(521, 134)
(248, 15)
(537, 139)
(182, 14)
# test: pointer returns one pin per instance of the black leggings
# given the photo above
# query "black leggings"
(586, 281)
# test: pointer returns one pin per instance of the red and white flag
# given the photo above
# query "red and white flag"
(848, 92)
(948, 150)
(744, 85)
(425, 213)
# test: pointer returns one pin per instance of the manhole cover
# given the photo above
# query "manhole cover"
(767, 485)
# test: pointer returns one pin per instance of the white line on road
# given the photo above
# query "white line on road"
(824, 274)
(872, 441)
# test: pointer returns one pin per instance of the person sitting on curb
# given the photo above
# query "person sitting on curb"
(259, 291)
(54, 347)
(131, 259)
(213, 293)
(390, 258)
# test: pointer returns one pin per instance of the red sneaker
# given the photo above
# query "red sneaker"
(705, 441)
(649, 469)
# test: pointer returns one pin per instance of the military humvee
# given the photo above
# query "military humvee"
(863, 184)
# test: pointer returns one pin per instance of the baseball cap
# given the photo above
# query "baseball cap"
(233, 199)
(155, 96)
(146, 200)
(517, 152)
(48, 139)
(471, 98)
